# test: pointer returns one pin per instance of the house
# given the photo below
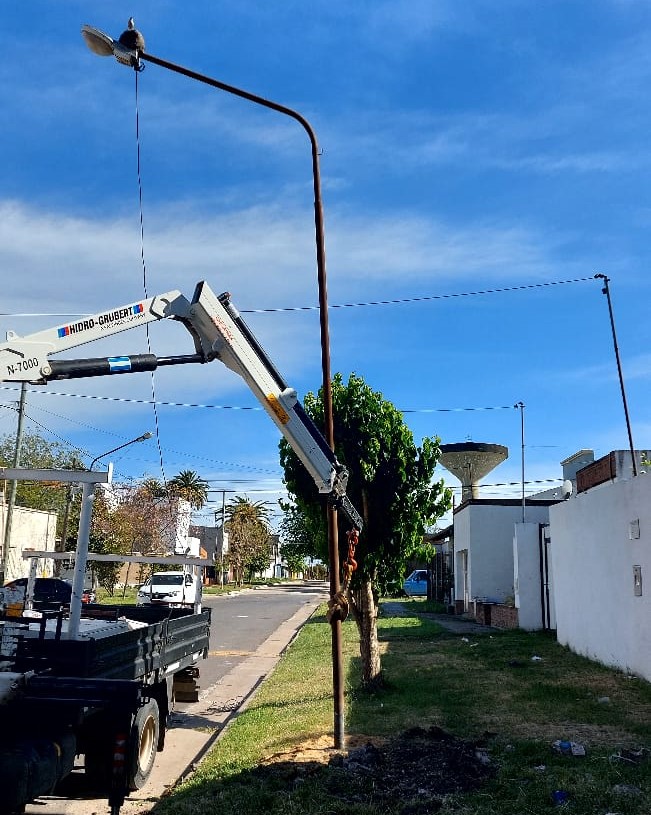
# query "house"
(494, 555)
(30, 529)
(213, 540)
(441, 567)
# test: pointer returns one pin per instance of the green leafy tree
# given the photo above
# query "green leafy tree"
(49, 496)
(189, 485)
(391, 484)
(300, 537)
(249, 546)
(106, 539)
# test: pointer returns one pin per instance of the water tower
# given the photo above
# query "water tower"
(470, 461)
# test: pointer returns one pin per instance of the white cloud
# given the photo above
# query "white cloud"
(265, 256)
(637, 367)
(406, 248)
(546, 142)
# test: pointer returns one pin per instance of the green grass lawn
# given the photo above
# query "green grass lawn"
(487, 688)
(128, 595)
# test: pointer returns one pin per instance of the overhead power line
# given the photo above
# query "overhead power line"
(422, 299)
(394, 302)
(235, 407)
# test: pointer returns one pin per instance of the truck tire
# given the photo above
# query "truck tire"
(143, 744)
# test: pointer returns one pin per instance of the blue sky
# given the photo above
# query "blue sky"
(466, 147)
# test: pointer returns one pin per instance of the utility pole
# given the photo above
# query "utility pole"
(6, 548)
(606, 290)
(221, 548)
(520, 406)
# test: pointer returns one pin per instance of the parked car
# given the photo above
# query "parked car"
(416, 584)
(169, 589)
(50, 593)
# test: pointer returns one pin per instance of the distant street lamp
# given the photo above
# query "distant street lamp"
(129, 50)
(83, 535)
(144, 437)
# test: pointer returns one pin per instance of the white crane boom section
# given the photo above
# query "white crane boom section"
(218, 332)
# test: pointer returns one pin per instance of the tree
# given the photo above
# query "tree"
(189, 485)
(391, 484)
(154, 488)
(137, 523)
(105, 539)
(49, 496)
(299, 537)
(249, 549)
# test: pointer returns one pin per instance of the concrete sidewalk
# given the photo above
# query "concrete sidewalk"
(195, 731)
(451, 622)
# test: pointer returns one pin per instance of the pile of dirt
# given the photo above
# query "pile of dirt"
(409, 774)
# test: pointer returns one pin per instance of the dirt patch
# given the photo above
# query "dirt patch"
(409, 775)
(319, 750)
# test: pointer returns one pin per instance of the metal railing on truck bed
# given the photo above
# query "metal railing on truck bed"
(159, 642)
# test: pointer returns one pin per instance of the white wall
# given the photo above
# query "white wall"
(528, 578)
(461, 522)
(486, 530)
(30, 528)
(593, 556)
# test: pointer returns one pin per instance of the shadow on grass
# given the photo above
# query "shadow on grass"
(406, 775)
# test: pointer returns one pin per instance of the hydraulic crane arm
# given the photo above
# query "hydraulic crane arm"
(218, 332)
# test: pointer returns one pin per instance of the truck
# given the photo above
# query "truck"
(99, 683)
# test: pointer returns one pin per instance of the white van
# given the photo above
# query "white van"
(170, 589)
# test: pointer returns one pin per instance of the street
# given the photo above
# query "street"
(249, 632)
(241, 622)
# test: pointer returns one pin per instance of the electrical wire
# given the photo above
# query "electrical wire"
(63, 440)
(144, 286)
(235, 407)
(481, 485)
(400, 301)
(423, 299)
(220, 462)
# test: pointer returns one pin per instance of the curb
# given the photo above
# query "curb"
(186, 746)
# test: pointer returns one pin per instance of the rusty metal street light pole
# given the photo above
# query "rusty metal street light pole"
(606, 290)
(129, 50)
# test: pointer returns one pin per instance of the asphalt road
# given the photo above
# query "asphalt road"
(241, 622)
(249, 633)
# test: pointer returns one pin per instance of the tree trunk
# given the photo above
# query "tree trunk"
(365, 612)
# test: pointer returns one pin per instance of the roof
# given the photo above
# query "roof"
(509, 502)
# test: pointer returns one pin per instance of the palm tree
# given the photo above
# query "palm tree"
(189, 485)
(243, 509)
(248, 530)
(154, 488)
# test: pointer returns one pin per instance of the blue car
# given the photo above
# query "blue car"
(416, 584)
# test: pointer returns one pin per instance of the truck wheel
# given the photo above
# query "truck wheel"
(144, 743)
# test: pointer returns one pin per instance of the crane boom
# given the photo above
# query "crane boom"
(218, 332)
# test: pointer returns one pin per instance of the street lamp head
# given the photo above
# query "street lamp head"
(144, 437)
(97, 41)
(125, 50)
